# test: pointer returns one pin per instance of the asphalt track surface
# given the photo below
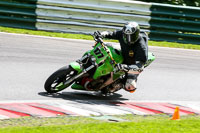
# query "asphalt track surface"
(27, 61)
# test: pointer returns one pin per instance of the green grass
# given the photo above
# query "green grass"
(45, 33)
(35, 121)
(174, 45)
(136, 124)
(88, 37)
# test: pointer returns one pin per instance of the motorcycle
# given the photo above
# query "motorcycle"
(96, 70)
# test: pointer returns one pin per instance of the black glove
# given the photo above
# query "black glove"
(122, 67)
(137, 67)
(97, 35)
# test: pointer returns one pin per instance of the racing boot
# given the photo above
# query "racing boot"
(131, 84)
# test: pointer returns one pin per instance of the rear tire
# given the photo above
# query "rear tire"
(55, 82)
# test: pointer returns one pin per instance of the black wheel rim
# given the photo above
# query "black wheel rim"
(58, 83)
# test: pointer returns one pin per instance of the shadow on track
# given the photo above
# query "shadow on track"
(85, 96)
(89, 98)
(88, 101)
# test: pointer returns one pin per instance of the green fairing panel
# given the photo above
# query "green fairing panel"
(105, 67)
(151, 58)
(77, 87)
(118, 74)
(116, 55)
(76, 66)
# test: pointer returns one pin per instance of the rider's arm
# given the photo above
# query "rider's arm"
(141, 53)
(141, 56)
(110, 34)
(136, 68)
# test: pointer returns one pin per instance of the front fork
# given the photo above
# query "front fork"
(78, 67)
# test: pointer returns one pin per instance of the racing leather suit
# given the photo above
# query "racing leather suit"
(135, 55)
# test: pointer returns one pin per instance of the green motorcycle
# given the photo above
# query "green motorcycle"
(95, 71)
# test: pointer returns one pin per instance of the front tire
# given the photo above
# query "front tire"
(55, 82)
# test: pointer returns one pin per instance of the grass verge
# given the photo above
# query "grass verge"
(88, 37)
(136, 124)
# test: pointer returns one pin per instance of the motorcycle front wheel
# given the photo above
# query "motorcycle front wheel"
(55, 82)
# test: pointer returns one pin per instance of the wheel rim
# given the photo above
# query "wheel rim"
(58, 83)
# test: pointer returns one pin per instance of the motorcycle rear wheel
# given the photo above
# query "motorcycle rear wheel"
(55, 82)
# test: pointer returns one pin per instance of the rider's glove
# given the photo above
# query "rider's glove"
(122, 67)
(97, 35)
(138, 67)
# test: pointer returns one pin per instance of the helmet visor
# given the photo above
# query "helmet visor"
(130, 38)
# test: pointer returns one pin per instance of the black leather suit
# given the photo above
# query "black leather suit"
(135, 55)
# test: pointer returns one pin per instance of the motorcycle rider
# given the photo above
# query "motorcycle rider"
(134, 47)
